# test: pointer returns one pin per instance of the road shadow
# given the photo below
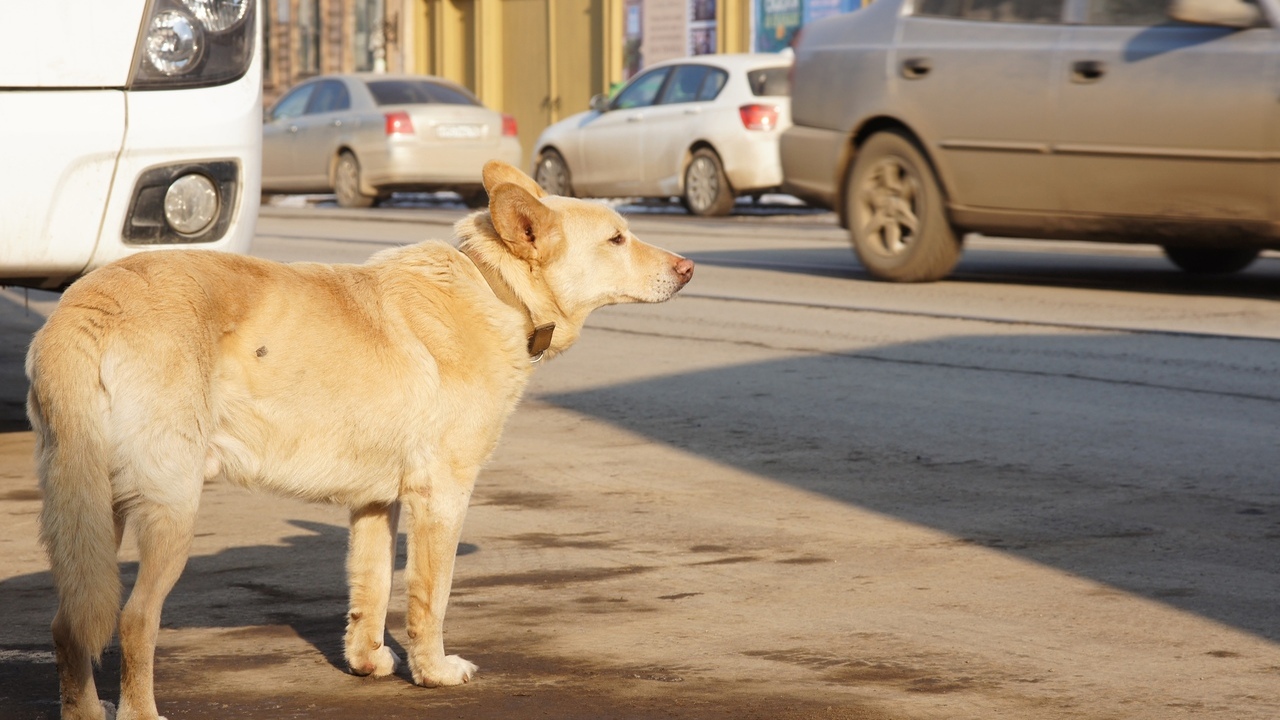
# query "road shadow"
(1038, 446)
(299, 584)
(1119, 273)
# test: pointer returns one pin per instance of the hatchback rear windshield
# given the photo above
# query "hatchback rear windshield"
(414, 92)
(769, 81)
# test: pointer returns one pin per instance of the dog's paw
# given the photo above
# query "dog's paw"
(379, 663)
(124, 713)
(450, 670)
(385, 662)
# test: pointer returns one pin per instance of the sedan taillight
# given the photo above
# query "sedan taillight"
(759, 117)
(509, 126)
(399, 123)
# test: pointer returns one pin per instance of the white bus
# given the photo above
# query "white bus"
(125, 125)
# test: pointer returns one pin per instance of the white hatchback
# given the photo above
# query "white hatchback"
(704, 129)
(140, 128)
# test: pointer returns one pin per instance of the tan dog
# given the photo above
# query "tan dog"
(372, 386)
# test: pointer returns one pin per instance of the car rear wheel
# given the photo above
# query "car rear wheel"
(346, 183)
(552, 173)
(1211, 261)
(897, 220)
(706, 188)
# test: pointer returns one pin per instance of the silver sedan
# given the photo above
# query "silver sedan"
(364, 136)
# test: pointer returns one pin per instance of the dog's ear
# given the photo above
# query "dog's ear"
(496, 173)
(522, 222)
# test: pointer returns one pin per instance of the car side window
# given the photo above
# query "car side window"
(712, 84)
(293, 104)
(330, 96)
(1008, 11)
(1128, 12)
(686, 80)
(643, 91)
(770, 81)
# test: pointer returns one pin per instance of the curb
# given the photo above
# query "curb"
(429, 216)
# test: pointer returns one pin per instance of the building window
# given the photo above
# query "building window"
(309, 37)
(370, 45)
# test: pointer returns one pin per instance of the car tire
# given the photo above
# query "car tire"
(1211, 261)
(346, 183)
(552, 174)
(896, 213)
(706, 187)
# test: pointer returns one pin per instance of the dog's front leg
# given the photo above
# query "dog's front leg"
(436, 524)
(371, 556)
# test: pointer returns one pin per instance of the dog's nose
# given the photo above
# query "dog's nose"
(684, 268)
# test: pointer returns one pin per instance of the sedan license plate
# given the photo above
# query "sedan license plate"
(459, 132)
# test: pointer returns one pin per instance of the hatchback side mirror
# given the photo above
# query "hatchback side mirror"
(1222, 13)
(600, 103)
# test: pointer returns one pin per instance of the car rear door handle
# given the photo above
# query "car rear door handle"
(1087, 71)
(634, 118)
(692, 111)
(916, 67)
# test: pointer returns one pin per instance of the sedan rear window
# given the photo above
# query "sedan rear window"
(769, 81)
(417, 92)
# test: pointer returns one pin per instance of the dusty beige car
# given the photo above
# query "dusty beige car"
(1114, 120)
(364, 136)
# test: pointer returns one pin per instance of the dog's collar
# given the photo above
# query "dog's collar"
(540, 340)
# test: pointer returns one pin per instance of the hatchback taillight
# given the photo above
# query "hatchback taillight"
(759, 117)
(509, 126)
(399, 123)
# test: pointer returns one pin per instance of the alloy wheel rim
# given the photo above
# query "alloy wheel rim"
(551, 176)
(704, 183)
(889, 204)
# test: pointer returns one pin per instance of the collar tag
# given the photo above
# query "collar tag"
(540, 340)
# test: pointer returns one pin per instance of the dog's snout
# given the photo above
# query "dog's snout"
(684, 269)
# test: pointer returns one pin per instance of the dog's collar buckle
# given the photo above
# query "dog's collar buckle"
(540, 340)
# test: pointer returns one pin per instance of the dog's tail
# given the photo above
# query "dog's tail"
(68, 409)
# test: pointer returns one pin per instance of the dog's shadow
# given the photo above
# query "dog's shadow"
(299, 584)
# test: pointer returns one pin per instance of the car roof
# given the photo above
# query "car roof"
(733, 62)
(373, 76)
(366, 77)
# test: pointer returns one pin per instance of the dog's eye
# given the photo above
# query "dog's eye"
(618, 239)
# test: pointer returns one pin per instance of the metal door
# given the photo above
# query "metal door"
(1166, 119)
(977, 88)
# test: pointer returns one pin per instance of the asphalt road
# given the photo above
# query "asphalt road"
(1045, 488)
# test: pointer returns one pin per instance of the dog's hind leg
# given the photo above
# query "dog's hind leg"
(75, 675)
(164, 535)
(371, 556)
(435, 527)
